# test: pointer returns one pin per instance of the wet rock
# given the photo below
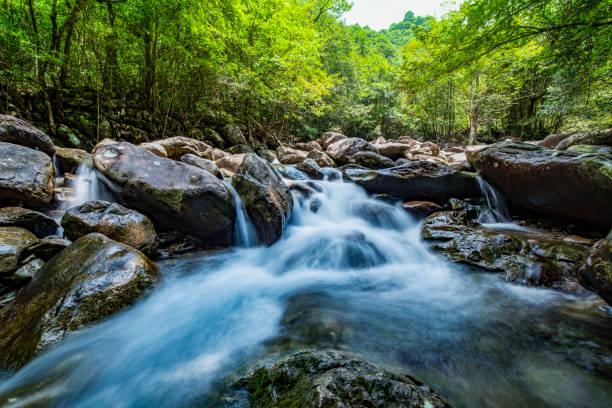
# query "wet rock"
(583, 148)
(595, 137)
(175, 147)
(230, 163)
(416, 180)
(288, 155)
(551, 141)
(533, 257)
(214, 138)
(69, 160)
(472, 151)
(311, 169)
(113, 220)
(267, 155)
(85, 283)
(233, 135)
(24, 274)
(26, 176)
(372, 160)
(597, 269)
(46, 248)
(174, 195)
(20, 132)
(558, 184)
(202, 163)
(34, 221)
(331, 137)
(322, 159)
(265, 196)
(421, 209)
(13, 241)
(343, 150)
(392, 149)
(331, 379)
(240, 148)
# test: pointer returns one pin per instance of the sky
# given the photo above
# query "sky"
(379, 14)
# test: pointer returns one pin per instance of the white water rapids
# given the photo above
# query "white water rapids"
(350, 272)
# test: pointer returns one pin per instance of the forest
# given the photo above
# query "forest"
(288, 70)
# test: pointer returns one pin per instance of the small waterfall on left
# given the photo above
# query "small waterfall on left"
(245, 234)
(497, 210)
(87, 187)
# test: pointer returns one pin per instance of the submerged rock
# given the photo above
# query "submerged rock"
(416, 180)
(343, 150)
(20, 132)
(34, 221)
(26, 175)
(85, 283)
(557, 184)
(597, 269)
(13, 241)
(528, 256)
(113, 220)
(174, 195)
(265, 196)
(331, 379)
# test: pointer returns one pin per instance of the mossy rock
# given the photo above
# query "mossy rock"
(597, 269)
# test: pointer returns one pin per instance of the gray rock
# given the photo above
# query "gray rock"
(20, 132)
(34, 221)
(344, 149)
(372, 160)
(13, 241)
(203, 164)
(233, 135)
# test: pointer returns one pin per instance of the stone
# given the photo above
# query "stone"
(213, 137)
(174, 195)
(551, 141)
(69, 160)
(392, 149)
(288, 155)
(20, 132)
(311, 169)
(233, 135)
(13, 241)
(175, 147)
(329, 378)
(26, 176)
(83, 284)
(583, 148)
(595, 137)
(265, 195)
(558, 184)
(240, 148)
(416, 180)
(344, 149)
(46, 248)
(113, 220)
(203, 164)
(531, 257)
(24, 274)
(331, 137)
(472, 151)
(322, 159)
(421, 209)
(372, 160)
(34, 221)
(230, 163)
(597, 268)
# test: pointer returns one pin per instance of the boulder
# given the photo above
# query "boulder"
(320, 379)
(26, 176)
(175, 147)
(268, 155)
(230, 163)
(559, 184)
(331, 137)
(85, 283)
(392, 149)
(202, 163)
(113, 220)
(597, 268)
(17, 131)
(531, 257)
(34, 221)
(288, 155)
(174, 195)
(595, 137)
(372, 160)
(306, 147)
(240, 148)
(472, 151)
(311, 169)
(233, 135)
(322, 159)
(551, 141)
(69, 160)
(213, 137)
(421, 209)
(24, 274)
(416, 180)
(265, 196)
(13, 241)
(582, 148)
(344, 149)
(46, 248)
(218, 154)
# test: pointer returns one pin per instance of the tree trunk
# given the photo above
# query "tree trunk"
(474, 111)
(150, 45)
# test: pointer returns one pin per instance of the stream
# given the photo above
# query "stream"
(350, 273)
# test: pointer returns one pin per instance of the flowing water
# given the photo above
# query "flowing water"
(497, 210)
(349, 273)
(246, 236)
(87, 187)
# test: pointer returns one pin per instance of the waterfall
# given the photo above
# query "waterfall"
(87, 187)
(244, 231)
(497, 210)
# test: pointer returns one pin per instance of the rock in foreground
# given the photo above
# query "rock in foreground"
(332, 379)
(86, 282)
(26, 175)
(40, 224)
(416, 180)
(555, 183)
(174, 195)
